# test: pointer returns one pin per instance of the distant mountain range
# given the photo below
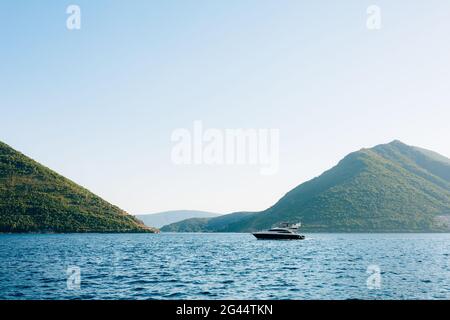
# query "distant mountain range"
(388, 188)
(34, 198)
(161, 219)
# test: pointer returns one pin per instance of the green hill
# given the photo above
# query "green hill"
(33, 198)
(218, 224)
(161, 219)
(389, 188)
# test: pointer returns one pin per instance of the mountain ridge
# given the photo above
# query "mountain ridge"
(391, 187)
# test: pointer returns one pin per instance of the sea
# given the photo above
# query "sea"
(335, 266)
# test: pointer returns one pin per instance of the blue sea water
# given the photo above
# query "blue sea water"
(225, 266)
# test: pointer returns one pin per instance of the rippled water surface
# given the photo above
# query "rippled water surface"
(224, 266)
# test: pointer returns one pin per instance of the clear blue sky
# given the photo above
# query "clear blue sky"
(99, 104)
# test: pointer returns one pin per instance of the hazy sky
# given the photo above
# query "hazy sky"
(99, 104)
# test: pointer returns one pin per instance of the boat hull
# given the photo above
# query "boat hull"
(272, 236)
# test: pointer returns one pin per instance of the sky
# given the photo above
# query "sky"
(99, 105)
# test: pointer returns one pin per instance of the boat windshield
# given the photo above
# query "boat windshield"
(280, 230)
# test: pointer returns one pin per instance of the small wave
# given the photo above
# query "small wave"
(141, 282)
(228, 281)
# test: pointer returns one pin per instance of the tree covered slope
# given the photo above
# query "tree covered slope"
(389, 188)
(33, 198)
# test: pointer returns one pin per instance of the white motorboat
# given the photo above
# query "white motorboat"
(285, 231)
